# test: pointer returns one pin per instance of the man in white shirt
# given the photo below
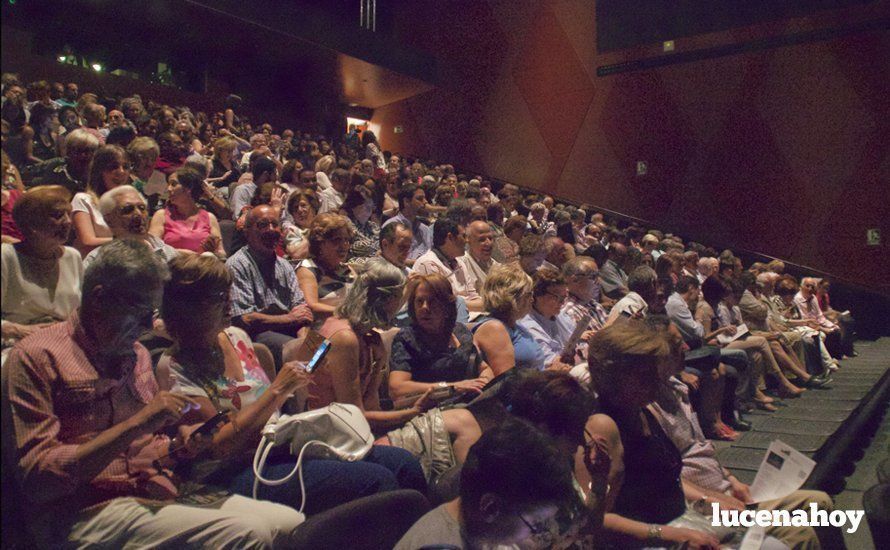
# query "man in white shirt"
(449, 243)
(478, 261)
(332, 198)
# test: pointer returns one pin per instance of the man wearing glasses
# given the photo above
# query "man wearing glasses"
(126, 213)
(514, 486)
(549, 326)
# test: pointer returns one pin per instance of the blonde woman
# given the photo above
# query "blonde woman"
(507, 295)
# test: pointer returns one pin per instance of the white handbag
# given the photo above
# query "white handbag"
(339, 431)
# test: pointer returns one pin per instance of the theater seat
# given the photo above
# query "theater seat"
(227, 232)
(368, 523)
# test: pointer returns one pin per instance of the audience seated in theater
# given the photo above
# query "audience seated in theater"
(111, 449)
(209, 359)
(434, 350)
(355, 366)
(126, 212)
(359, 207)
(183, 224)
(514, 488)
(449, 243)
(787, 346)
(395, 245)
(549, 326)
(704, 480)
(8, 229)
(41, 276)
(412, 204)
(477, 260)
(266, 298)
(640, 294)
(503, 342)
(324, 275)
(756, 348)
(302, 206)
(108, 169)
(612, 273)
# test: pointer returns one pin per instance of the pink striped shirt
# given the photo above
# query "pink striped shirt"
(59, 400)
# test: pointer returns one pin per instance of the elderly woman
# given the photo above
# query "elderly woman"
(217, 366)
(504, 344)
(302, 205)
(144, 153)
(324, 275)
(356, 364)
(41, 276)
(434, 350)
(183, 224)
(359, 207)
(110, 168)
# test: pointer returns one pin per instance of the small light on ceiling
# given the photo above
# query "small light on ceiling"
(97, 67)
(353, 104)
(62, 58)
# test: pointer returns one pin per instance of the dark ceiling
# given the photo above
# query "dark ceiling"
(307, 54)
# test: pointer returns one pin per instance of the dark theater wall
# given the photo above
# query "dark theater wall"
(781, 151)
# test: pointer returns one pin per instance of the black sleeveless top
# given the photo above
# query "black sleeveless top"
(652, 492)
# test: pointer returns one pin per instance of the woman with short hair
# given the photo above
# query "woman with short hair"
(434, 350)
(360, 208)
(41, 276)
(323, 276)
(302, 205)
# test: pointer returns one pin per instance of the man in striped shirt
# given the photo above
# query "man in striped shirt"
(89, 428)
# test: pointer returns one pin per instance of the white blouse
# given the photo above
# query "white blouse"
(31, 291)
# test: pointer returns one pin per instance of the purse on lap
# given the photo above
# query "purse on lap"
(338, 431)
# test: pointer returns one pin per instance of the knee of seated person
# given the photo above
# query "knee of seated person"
(247, 531)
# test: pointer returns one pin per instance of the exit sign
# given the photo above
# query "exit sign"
(873, 237)
(398, 130)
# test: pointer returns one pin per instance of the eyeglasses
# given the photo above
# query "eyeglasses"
(560, 297)
(130, 208)
(540, 531)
